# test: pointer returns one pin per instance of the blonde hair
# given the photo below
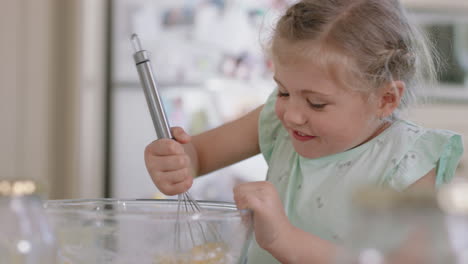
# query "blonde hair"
(363, 44)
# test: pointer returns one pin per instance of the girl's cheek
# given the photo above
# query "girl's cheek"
(279, 110)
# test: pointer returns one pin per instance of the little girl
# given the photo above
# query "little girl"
(344, 71)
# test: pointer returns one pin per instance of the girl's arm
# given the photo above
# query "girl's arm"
(428, 181)
(225, 145)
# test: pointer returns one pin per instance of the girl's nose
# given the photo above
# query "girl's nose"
(293, 115)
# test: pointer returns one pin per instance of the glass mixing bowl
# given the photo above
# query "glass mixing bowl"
(113, 231)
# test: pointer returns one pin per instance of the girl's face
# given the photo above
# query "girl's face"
(321, 117)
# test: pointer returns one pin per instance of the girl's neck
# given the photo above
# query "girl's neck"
(381, 128)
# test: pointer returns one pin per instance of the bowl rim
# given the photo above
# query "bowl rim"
(71, 206)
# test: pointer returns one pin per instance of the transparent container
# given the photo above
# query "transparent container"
(146, 231)
(26, 237)
(392, 227)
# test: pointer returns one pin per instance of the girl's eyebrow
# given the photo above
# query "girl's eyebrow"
(302, 91)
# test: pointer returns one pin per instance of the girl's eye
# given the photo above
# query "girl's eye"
(282, 94)
(317, 106)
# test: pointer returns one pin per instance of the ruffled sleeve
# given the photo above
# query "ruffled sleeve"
(440, 149)
(269, 127)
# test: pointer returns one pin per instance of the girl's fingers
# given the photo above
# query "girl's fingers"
(180, 135)
(164, 147)
(246, 195)
(254, 188)
(176, 177)
(173, 182)
(167, 164)
(177, 188)
(253, 195)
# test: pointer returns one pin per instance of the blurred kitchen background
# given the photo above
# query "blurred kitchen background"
(73, 114)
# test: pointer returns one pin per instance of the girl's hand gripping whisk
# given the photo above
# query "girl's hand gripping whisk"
(168, 164)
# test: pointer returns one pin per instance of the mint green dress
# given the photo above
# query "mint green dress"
(316, 192)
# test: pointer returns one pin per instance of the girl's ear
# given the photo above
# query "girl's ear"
(390, 98)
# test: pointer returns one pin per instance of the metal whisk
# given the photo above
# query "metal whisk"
(186, 203)
(203, 233)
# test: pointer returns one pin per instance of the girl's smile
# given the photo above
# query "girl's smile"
(301, 137)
